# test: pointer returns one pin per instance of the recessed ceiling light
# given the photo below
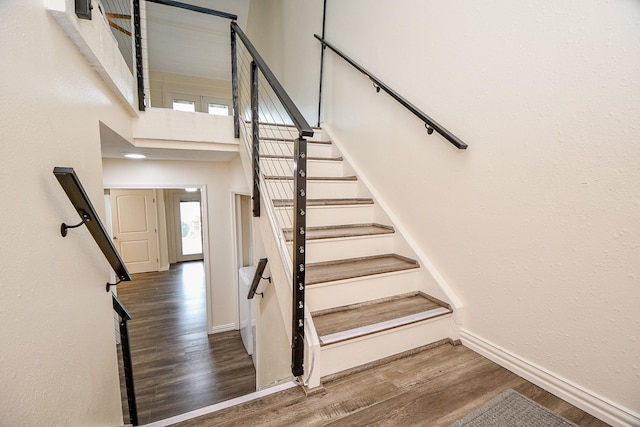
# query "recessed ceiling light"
(190, 190)
(135, 156)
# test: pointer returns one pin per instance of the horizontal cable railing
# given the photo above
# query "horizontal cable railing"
(430, 124)
(274, 130)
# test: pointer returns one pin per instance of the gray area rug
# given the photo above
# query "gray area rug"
(511, 409)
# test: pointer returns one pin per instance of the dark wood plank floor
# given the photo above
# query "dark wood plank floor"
(431, 388)
(177, 366)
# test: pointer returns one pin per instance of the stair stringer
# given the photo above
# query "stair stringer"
(280, 268)
(439, 286)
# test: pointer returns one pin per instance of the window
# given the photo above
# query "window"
(218, 109)
(184, 105)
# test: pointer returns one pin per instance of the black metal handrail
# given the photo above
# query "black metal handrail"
(195, 8)
(299, 173)
(429, 122)
(257, 277)
(127, 362)
(296, 116)
(89, 217)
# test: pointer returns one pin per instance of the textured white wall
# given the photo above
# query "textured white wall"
(282, 32)
(536, 226)
(58, 361)
(220, 179)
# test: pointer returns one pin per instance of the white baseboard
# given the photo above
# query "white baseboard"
(596, 405)
(223, 328)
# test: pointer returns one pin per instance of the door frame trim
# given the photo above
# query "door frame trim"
(204, 204)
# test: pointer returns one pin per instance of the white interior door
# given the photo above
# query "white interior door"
(135, 228)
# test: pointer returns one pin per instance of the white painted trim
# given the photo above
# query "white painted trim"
(598, 406)
(382, 326)
(234, 248)
(454, 300)
(222, 405)
(222, 328)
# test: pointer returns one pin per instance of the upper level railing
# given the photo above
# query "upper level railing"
(274, 130)
(430, 124)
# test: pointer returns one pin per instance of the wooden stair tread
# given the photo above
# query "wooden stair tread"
(314, 178)
(337, 231)
(280, 203)
(281, 139)
(343, 323)
(331, 271)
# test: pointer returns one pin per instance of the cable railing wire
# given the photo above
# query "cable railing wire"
(274, 132)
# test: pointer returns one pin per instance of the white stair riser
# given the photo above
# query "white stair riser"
(322, 250)
(319, 216)
(286, 149)
(283, 188)
(356, 352)
(323, 296)
(284, 167)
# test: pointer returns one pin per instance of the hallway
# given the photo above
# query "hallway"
(177, 366)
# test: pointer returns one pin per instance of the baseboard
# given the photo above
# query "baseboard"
(223, 328)
(596, 405)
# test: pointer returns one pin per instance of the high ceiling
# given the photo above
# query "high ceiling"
(185, 42)
(179, 41)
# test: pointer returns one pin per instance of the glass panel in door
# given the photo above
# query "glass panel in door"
(191, 228)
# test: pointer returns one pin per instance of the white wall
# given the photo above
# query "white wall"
(280, 31)
(219, 179)
(58, 361)
(536, 226)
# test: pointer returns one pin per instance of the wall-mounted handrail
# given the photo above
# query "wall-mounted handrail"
(127, 362)
(257, 277)
(89, 217)
(429, 122)
(296, 116)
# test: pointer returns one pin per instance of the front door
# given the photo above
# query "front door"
(135, 230)
(188, 215)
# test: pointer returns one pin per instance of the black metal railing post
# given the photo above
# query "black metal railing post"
(126, 359)
(234, 84)
(322, 49)
(299, 254)
(138, 45)
(298, 219)
(256, 139)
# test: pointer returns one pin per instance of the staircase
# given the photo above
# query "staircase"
(364, 288)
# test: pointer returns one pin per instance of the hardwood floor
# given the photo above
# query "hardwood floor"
(177, 366)
(434, 387)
